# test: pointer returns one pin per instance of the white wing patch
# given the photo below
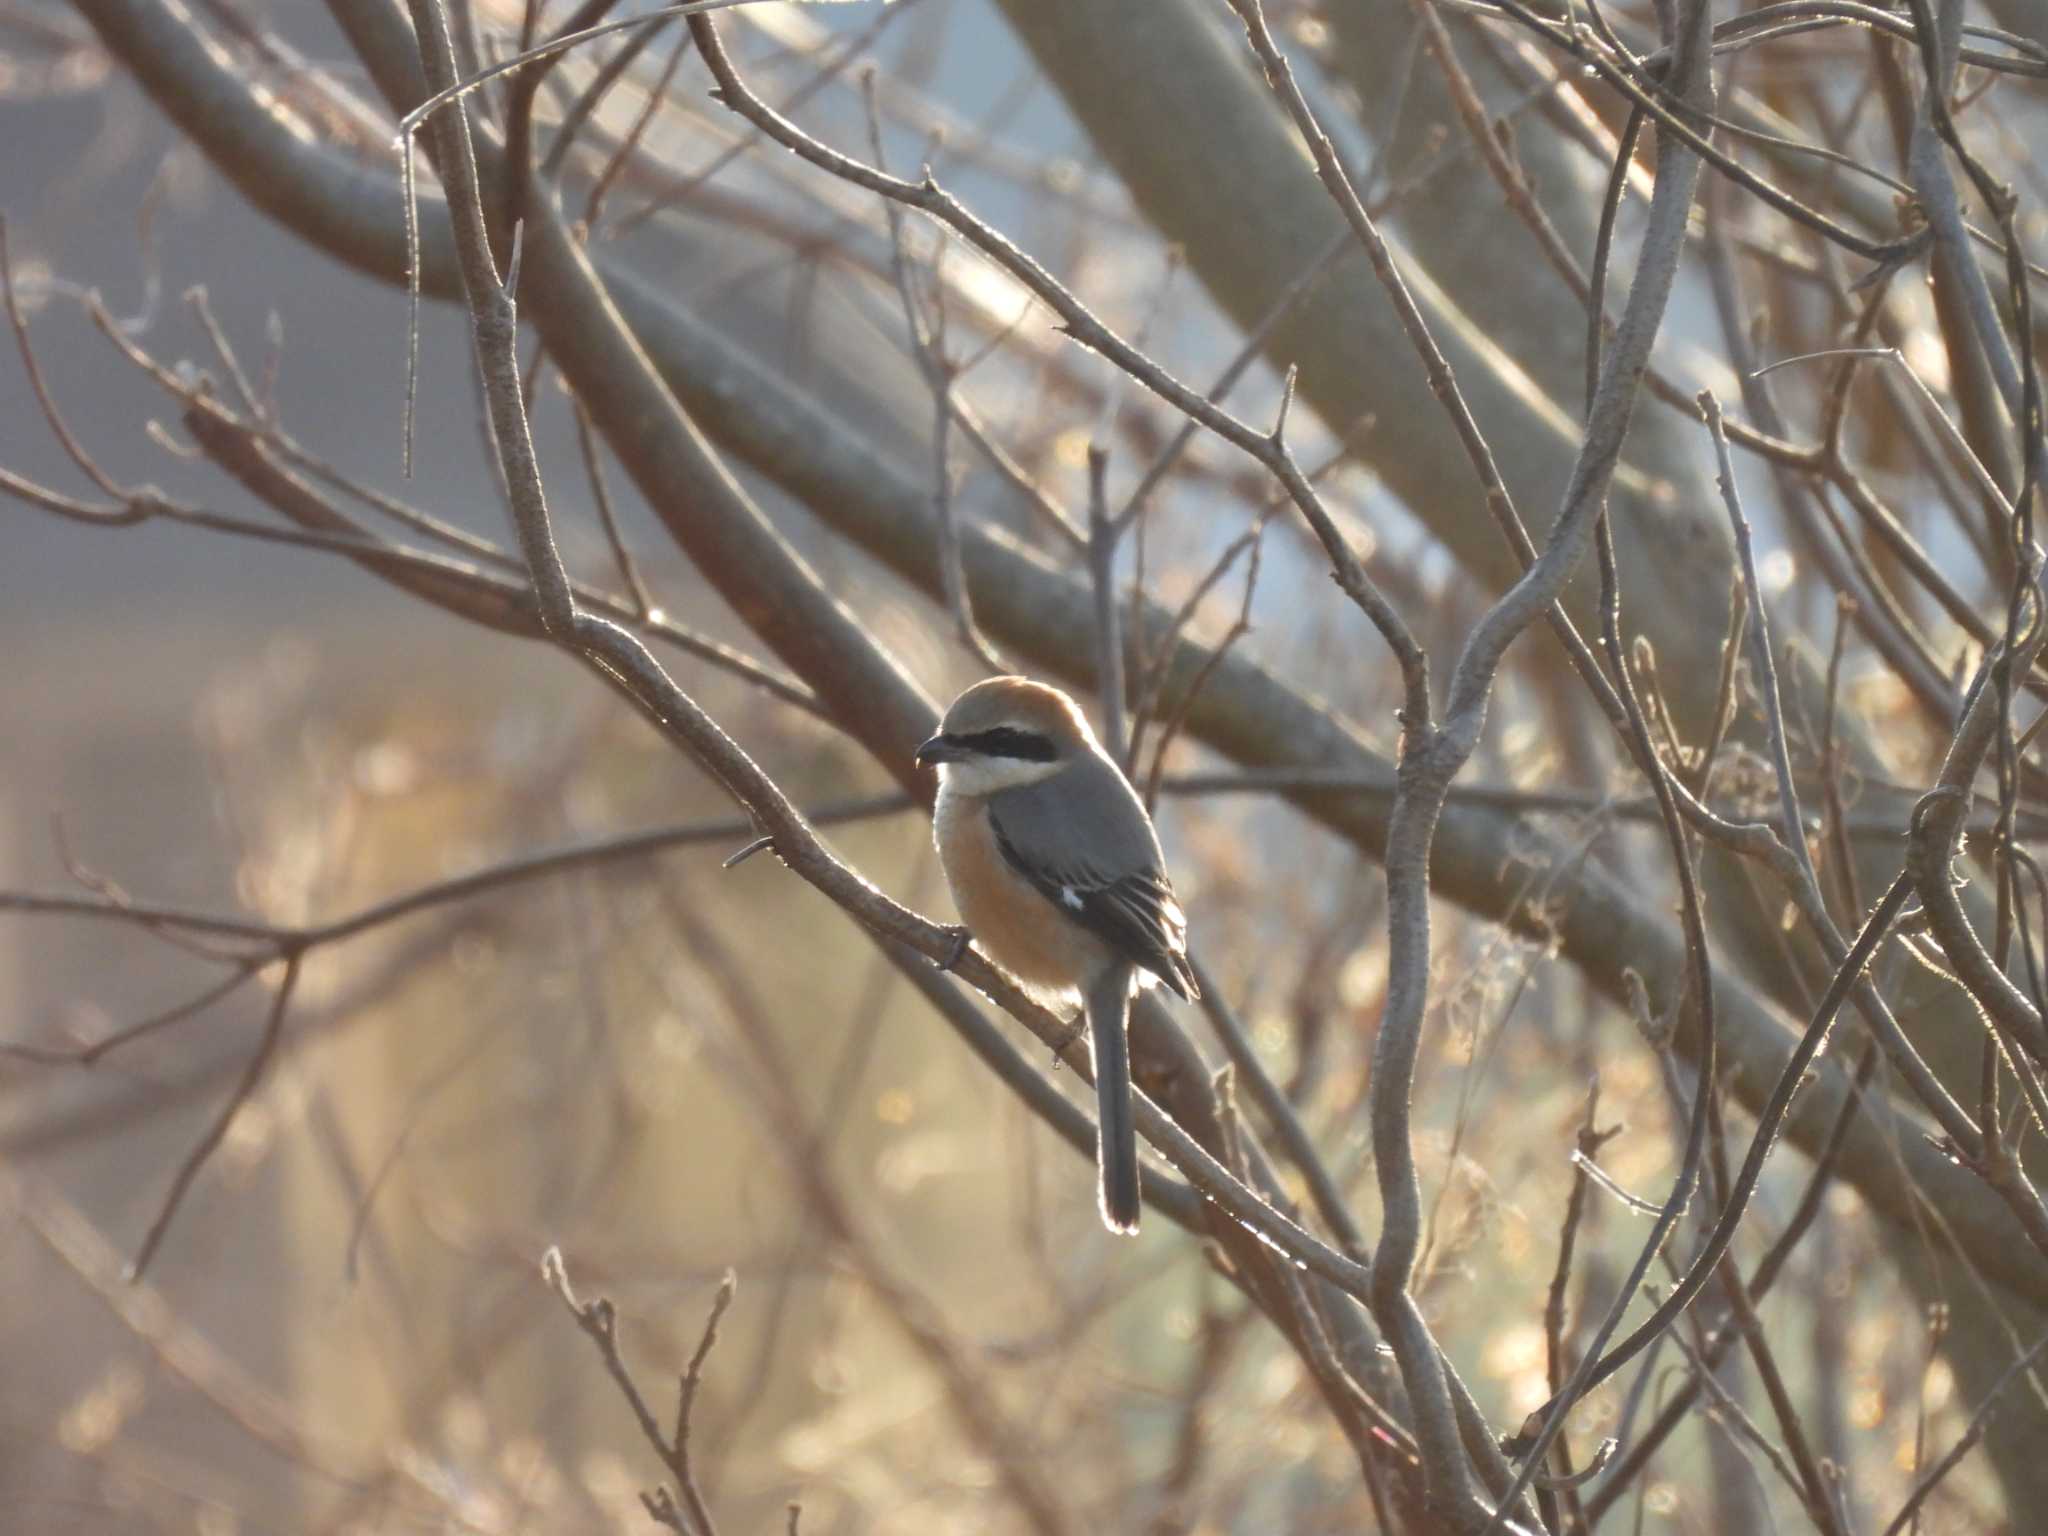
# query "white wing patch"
(1071, 897)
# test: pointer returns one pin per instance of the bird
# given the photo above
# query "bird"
(1057, 874)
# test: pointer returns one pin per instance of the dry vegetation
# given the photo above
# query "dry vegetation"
(1618, 1101)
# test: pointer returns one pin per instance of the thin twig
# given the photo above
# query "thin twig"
(1177, 717)
(87, 1055)
(1079, 322)
(1590, 1140)
(252, 1074)
(599, 1320)
(1972, 1433)
(601, 497)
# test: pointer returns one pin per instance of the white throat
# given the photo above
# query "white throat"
(979, 776)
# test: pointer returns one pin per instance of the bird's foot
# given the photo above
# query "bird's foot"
(961, 938)
(1065, 1042)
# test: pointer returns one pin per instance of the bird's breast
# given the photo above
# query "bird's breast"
(1018, 928)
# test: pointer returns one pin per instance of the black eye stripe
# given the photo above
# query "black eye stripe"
(1011, 741)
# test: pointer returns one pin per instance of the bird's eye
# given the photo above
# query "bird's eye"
(1013, 741)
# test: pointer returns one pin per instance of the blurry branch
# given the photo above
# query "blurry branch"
(698, 502)
(1760, 1281)
(1280, 1113)
(273, 941)
(1908, 1515)
(1934, 186)
(1104, 534)
(245, 1089)
(1621, 72)
(1731, 1413)
(1155, 655)
(1219, 1337)
(583, 108)
(134, 1102)
(599, 1320)
(1175, 717)
(251, 450)
(463, 78)
(1248, 353)
(2004, 1177)
(1940, 713)
(182, 1351)
(927, 332)
(927, 196)
(987, 1422)
(1192, 95)
(269, 943)
(87, 1055)
(1049, 514)
(676, 189)
(756, 428)
(1825, 459)
(1590, 1140)
(601, 496)
(1177, 1201)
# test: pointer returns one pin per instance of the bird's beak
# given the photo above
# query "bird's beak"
(940, 749)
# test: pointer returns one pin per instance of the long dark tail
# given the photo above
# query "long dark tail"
(1116, 1151)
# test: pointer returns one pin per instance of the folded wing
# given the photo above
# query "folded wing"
(1102, 868)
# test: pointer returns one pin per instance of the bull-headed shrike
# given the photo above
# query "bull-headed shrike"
(1057, 873)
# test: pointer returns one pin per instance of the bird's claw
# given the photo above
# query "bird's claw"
(1065, 1043)
(961, 939)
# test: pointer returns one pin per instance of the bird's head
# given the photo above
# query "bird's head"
(1006, 732)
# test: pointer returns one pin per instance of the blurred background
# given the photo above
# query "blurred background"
(668, 1071)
